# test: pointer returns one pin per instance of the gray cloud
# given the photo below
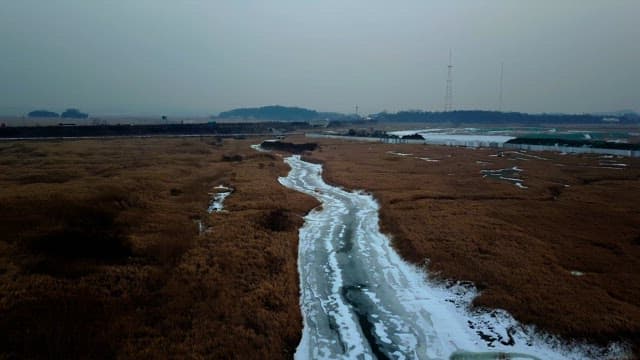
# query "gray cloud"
(170, 56)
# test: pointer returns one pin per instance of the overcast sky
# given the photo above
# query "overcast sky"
(206, 56)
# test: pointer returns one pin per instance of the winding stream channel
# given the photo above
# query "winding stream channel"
(360, 300)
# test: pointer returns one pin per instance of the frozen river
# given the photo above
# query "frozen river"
(360, 300)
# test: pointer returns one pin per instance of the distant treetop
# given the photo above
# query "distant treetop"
(43, 114)
(74, 114)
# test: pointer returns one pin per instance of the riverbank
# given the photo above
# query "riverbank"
(560, 251)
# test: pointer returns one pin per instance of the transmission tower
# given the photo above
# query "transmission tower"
(448, 97)
(501, 78)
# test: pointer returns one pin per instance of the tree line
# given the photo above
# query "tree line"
(67, 114)
(497, 117)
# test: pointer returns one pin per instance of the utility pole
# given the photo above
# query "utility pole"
(356, 110)
(448, 97)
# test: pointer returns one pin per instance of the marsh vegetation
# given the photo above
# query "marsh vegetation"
(518, 246)
(101, 256)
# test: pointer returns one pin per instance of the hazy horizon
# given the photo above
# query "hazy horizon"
(198, 58)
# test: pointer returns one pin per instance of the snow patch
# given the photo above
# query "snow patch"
(412, 132)
(507, 174)
(524, 153)
(217, 202)
(259, 148)
(607, 163)
(398, 153)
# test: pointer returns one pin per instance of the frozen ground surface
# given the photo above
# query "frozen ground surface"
(398, 153)
(360, 300)
(509, 174)
(467, 140)
(217, 203)
(259, 148)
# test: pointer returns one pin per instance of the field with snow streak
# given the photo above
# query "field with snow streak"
(361, 300)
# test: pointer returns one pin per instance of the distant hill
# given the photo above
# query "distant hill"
(496, 117)
(74, 114)
(272, 113)
(43, 114)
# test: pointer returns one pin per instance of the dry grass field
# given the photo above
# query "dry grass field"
(101, 255)
(563, 254)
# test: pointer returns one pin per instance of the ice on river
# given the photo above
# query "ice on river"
(360, 300)
(436, 136)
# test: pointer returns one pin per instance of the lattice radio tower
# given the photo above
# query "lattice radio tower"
(501, 81)
(448, 97)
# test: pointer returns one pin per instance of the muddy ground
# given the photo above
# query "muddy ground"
(560, 251)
